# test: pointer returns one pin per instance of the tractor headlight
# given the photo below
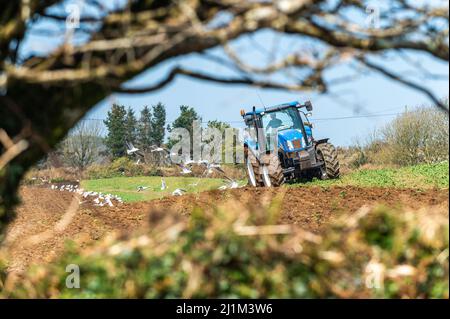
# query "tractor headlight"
(290, 145)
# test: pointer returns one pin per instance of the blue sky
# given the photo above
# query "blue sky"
(371, 94)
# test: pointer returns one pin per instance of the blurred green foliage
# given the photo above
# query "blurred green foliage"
(230, 252)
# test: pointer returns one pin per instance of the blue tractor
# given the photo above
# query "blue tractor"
(280, 146)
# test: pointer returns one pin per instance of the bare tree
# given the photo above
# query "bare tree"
(44, 96)
(417, 136)
(82, 146)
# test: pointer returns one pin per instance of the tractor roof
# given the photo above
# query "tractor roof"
(275, 108)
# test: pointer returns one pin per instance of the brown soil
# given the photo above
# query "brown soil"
(48, 218)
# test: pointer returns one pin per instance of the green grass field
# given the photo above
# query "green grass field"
(418, 176)
(126, 187)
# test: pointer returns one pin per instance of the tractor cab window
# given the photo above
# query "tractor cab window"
(304, 118)
(277, 121)
(281, 120)
(250, 133)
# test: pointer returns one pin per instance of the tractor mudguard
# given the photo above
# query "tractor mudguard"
(322, 141)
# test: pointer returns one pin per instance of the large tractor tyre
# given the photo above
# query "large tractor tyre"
(327, 153)
(253, 170)
(272, 171)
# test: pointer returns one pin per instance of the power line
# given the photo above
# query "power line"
(313, 119)
(355, 117)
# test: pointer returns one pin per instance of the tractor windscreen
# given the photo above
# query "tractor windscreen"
(282, 120)
(288, 119)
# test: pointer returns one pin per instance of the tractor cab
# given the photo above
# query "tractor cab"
(285, 124)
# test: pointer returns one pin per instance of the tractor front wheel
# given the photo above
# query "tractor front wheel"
(272, 171)
(253, 170)
(327, 153)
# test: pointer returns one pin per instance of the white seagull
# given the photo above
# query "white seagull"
(157, 149)
(189, 162)
(108, 201)
(131, 149)
(184, 169)
(234, 184)
(141, 188)
(178, 192)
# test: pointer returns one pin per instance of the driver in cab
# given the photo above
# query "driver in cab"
(274, 122)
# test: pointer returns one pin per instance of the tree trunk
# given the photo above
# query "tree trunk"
(43, 116)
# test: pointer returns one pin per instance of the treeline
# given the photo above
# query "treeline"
(149, 129)
(124, 127)
(88, 143)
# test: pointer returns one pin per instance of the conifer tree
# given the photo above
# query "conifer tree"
(158, 124)
(185, 120)
(116, 137)
(131, 126)
(144, 137)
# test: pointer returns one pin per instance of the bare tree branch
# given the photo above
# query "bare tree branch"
(406, 82)
(207, 77)
(12, 149)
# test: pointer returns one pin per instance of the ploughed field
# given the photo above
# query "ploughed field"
(48, 219)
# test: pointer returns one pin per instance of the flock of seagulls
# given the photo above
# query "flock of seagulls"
(209, 168)
(99, 199)
(180, 191)
(69, 187)
(131, 150)
(186, 168)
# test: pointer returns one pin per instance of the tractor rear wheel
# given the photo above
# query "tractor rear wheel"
(253, 170)
(327, 153)
(272, 171)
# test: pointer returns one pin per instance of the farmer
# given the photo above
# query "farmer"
(274, 122)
